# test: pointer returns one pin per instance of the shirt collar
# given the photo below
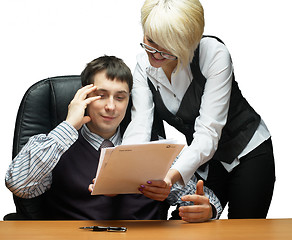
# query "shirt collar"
(95, 140)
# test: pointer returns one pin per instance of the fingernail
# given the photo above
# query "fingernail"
(140, 189)
(142, 186)
(149, 182)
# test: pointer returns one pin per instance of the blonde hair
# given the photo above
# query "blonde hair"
(175, 25)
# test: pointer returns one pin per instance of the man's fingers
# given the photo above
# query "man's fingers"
(200, 188)
(190, 198)
(192, 209)
(86, 119)
(196, 199)
(92, 99)
(84, 91)
(90, 188)
(195, 213)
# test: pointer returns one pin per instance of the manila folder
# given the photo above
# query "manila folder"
(122, 169)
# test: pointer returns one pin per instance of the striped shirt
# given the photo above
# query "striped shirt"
(30, 173)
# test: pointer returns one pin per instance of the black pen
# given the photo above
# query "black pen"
(109, 229)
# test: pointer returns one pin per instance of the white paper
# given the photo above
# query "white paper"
(122, 169)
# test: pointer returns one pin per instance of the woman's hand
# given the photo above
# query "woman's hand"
(156, 189)
(201, 211)
(159, 189)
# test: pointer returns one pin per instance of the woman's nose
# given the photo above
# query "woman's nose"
(158, 56)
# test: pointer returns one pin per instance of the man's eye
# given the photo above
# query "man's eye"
(101, 95)
(120, 98)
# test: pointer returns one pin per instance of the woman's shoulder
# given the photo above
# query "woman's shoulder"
(213, 53)
(142, 59)
(212, 45)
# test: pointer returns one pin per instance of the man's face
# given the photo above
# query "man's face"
(107, 113)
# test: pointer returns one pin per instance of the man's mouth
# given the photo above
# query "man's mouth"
(108, 118)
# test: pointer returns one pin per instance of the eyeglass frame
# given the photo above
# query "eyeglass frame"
(154, 50)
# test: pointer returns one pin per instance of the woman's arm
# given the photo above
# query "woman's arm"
(139, 129)
(216, 66)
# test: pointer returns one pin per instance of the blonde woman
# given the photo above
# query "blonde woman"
(187, 80)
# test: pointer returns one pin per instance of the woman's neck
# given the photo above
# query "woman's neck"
(169, 68)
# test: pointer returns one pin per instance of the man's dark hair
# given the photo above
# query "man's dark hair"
(114, 67)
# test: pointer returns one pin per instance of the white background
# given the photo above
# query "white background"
(41, 39)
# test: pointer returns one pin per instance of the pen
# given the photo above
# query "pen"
(109, 229)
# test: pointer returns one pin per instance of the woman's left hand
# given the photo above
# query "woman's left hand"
(160, 189)
(156, 189)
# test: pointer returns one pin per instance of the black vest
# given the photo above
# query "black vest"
(69, 198)
(242, 120)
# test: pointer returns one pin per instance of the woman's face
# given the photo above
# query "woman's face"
(155, 59)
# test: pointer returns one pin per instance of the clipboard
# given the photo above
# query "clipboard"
(122, 169)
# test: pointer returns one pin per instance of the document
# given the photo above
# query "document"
(122, 169)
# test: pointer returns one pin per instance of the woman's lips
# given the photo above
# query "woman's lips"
(157, 59)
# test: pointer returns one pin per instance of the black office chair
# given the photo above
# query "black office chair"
(43, 107)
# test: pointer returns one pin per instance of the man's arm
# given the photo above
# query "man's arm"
(29, 174)
(197, 203)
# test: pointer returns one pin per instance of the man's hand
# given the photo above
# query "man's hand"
(90, 188)
(201, 211)
(76, 108)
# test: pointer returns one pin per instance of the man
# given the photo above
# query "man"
(61, 165)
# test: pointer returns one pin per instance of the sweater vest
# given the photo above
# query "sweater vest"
(242, 119)
(69, 198)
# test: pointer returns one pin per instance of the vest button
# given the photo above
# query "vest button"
(178, 120)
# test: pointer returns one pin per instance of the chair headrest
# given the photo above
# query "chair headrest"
(43, 107)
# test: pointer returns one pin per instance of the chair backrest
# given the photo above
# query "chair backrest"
(43, 107)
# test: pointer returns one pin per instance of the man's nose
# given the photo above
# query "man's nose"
(110, 105)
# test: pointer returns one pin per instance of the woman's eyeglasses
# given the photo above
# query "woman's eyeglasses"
(154, 50)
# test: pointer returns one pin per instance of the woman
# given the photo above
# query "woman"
(188, 81)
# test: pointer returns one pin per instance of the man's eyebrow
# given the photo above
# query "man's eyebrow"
(105, 90)
(122, 91)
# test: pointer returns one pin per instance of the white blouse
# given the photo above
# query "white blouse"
(215, 64)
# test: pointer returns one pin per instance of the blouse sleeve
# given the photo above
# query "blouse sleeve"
(139, 129)
(216, 66)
